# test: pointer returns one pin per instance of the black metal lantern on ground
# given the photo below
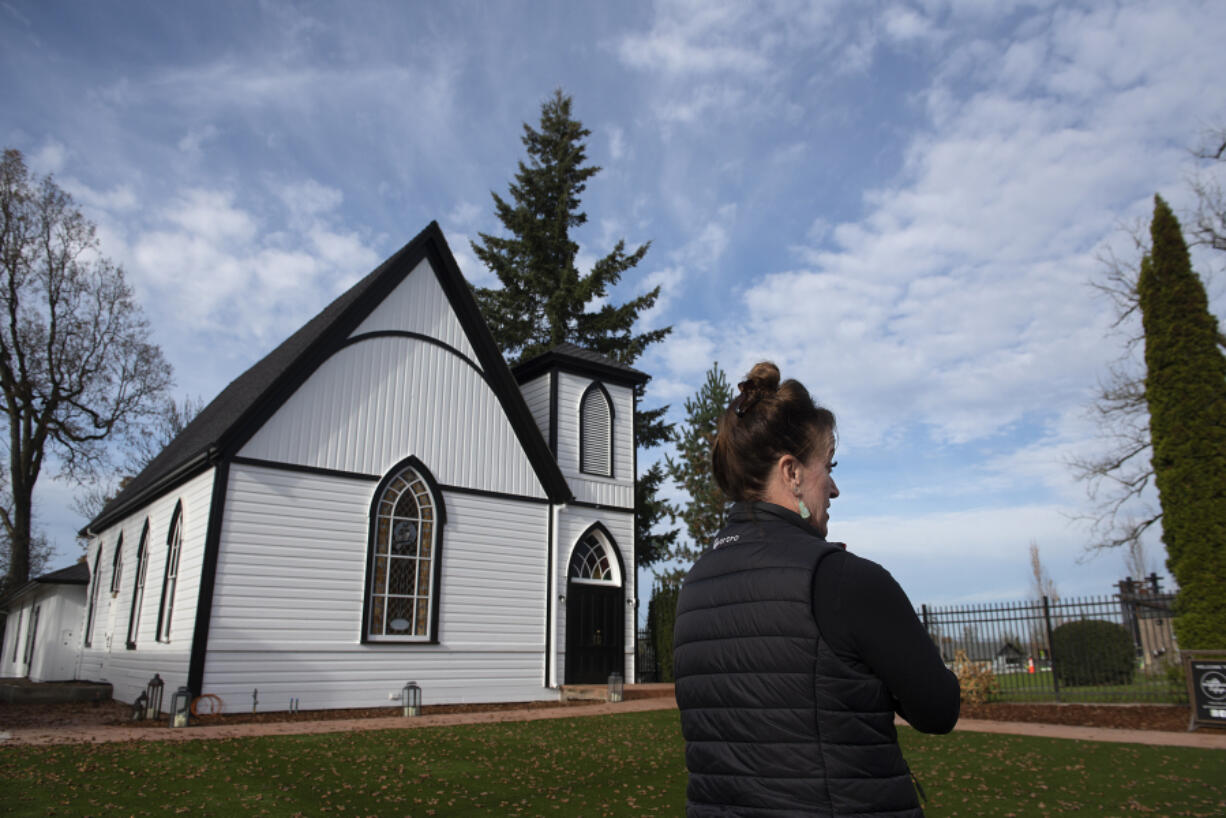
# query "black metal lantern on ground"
(153, 697)
(179, 704)
(617, 686)
(410, 697)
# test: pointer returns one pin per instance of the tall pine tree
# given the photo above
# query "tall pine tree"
(1185, 387)
(706, 512)
(545, 300)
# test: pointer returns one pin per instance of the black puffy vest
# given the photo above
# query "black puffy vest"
(774, 722)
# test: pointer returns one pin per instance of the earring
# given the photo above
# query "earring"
(803, 509)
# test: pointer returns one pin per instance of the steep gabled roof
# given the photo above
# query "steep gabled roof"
(227, 422)
(573, 358)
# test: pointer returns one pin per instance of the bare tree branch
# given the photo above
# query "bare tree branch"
(77, 366)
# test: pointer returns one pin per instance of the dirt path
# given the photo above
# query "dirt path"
(1205, 739)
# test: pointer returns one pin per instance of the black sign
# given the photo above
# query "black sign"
(1208, 688)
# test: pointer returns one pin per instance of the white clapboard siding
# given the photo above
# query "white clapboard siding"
(61, 612)
(419, 305)
(573, 521)
(617, 491)
(290, 587)
(379, 399)
(108, 659)
(536, 395)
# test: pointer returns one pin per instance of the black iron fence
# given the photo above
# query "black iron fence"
(1035, 650)
(647, 669)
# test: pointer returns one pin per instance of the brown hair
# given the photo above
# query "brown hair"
(767, 420)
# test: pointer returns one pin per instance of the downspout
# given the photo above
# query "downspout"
(551, 667)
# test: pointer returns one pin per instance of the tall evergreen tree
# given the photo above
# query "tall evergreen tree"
(1185, 387)
(706, 512)
(545, 300)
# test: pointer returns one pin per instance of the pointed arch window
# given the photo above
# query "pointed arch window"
(117, 566)
(170, 578)
(96, 580)
(596, 432)
(592, 562)
(138, 586)
(402, 592)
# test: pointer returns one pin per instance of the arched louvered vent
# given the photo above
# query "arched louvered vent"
(596, 432)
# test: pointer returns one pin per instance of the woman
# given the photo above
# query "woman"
(792, 655)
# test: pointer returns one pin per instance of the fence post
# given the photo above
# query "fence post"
(1051, 652)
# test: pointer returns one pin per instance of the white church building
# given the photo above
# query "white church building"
(379, 499)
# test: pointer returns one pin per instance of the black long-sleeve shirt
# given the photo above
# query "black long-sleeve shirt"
(866, 618)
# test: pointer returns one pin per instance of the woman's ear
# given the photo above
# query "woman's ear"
(788, 468)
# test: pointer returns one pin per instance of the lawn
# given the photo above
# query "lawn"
(614, 765)
(1038, 687)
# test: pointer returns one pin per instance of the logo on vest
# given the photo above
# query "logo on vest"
(725, 540)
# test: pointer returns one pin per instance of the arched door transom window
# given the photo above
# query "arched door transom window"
(402, 593)
(591, 562)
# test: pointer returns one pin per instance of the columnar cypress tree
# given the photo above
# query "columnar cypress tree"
(1185, 387)
(545, 300)
(706, 512)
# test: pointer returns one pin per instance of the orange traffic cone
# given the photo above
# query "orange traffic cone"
(1030, 665)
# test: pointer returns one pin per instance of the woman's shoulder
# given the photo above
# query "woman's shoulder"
(860, 572)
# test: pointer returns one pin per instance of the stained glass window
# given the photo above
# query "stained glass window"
(590, 561)
(402, 570)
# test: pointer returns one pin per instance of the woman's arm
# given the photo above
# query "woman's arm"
(875, 621)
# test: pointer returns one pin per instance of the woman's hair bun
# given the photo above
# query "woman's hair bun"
(762, 380)
(764, 377)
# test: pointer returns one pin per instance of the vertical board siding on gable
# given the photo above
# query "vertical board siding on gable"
(419, 305)
(107, 659)
(290, 588)
(376, 401)
(536, 395)
(617, 491)
(572, 523)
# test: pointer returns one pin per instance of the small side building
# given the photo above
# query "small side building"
(42, 634)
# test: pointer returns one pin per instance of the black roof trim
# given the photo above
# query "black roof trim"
(230, 419)
(576, 359)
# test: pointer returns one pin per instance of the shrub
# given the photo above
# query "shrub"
(661, 613)
(976, 679)
(1177, 683)
(1093, 652)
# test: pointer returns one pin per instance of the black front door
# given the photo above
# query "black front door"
(593, 633)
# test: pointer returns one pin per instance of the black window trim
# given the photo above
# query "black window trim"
(117, 567)
(138, 586)
(95, 582)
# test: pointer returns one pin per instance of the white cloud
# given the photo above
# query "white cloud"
(195, 138)
(309, 198)
(959, 298)
(617, 143)
(48, 158)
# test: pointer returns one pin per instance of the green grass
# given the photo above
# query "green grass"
(1038, 687)
(615, 765)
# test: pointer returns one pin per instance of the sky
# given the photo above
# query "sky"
(902, 204)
